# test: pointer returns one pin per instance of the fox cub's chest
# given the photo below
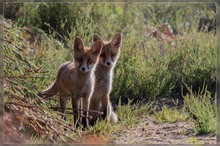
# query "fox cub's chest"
(102, 85)
(83, 90)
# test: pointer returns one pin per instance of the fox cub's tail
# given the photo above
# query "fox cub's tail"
(113, 117)
(50, 91)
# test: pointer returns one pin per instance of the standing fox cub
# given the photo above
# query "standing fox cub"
(77, 78)
(103, 83)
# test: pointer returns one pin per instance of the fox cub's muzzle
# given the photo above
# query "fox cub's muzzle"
(108, 63)
(83, 68)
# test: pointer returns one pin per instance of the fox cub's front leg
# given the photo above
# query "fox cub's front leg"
(76, 110)
(105, 101)
(86, 104)
(63, 103)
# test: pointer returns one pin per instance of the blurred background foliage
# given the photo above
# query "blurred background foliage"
(142, 72)
(67, 17)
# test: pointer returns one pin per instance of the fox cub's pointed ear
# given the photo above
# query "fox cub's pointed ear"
(96, 38)
(78, 44)
(96, 48)
(116, 40)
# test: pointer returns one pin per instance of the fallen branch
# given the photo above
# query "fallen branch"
(24, 77)
(98, 112)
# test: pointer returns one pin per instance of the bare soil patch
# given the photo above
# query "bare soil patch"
(13, 130)
(94, 139)
(149, 131)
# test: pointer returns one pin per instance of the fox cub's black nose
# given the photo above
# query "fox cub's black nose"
(83, 69)
(108, 63)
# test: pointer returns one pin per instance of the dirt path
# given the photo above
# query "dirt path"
(150, 132)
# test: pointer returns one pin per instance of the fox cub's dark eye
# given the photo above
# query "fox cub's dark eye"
(89, 61)
(79, 59)
(102, 55)
(113, 55)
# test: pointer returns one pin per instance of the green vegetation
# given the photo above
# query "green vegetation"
(170, 115)
(201, 110)
(102, 127)
(193, 140)
(141, 71)
(131, 113)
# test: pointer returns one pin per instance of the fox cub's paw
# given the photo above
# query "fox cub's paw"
(114, 118)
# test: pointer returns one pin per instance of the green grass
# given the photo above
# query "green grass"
(130, 114)
(202, 111)
(170, 115)
(103, 127)
(194, 140)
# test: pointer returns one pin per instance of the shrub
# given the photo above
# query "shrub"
(170, 115)
(129, 114)
(202, 110)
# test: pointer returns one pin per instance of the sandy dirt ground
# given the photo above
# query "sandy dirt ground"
(151, 132)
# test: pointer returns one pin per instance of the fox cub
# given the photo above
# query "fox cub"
(77, 78)
(104, 73)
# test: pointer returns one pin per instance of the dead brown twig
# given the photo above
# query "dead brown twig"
(98, 112)
(24, 77)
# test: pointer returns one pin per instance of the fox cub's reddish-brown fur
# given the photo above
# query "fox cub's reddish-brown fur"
(104, 74)
(77, 78)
